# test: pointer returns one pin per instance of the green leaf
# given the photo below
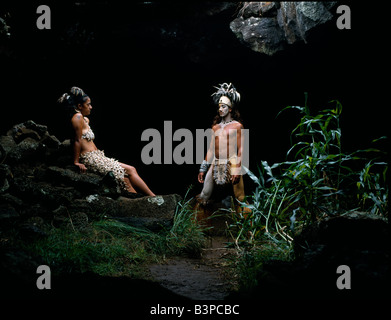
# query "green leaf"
(301, 109)
(378, 139)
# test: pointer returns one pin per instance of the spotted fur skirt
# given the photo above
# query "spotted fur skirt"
(224, 169)
(96, 161)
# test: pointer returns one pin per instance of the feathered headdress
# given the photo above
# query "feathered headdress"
(227, 90)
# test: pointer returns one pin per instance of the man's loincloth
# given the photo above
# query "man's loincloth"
(224, 169)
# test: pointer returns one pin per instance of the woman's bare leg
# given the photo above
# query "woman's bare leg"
(129, 185)
(136, 180)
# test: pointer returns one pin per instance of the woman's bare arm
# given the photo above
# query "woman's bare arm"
(78, 123)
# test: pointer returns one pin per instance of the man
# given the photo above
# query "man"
(223, 162)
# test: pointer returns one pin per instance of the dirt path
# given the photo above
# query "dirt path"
(206, 278)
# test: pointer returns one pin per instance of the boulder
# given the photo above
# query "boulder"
(260, 34)
(27, 126)
(267, 27)
(27, 150)
(5, 173)
(359, 230)
(29, 142)
(357, 240)
(46, 194)
(7, 213)
(7, 143)
(147, 212)
(39, 187)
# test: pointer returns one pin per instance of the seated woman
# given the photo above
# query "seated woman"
(87, 155)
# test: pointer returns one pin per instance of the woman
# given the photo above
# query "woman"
(87, 155)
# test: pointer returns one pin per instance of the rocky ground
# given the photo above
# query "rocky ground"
(206, 278)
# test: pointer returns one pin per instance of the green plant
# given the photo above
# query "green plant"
(110, 247)
(186, 234)
(318, 179)
(372, 188)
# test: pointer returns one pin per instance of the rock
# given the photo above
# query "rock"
(7, 144)
(28, 150)
(148, 212)
(267, 27)
(28, 142)
(33, 183)
(4, 185)
(310, 15)
(358, 240)
(23, 133)
(33, 228)
(50, 141)
(260, 34)
(30, 125)
(89, 181)
(79, 220)
(254, 9)
(352, 230)
(32, 191)
(159, 207)
(7, 213)
(5, 173)
(10, 199)
(287, 20)
(86, 183)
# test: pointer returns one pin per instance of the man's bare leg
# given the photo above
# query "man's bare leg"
(208, 186)
(240, 196)
(239, 190)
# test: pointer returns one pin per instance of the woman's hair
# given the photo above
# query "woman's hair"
(229, 91)
(69, 102)
(71, 99)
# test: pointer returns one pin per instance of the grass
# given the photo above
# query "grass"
(317, 180)
(112, 248)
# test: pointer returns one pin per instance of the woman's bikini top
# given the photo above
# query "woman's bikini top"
(89, 134)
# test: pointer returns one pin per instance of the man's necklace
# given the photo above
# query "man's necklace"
(224, 123)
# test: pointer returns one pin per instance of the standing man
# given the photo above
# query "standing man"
(223, 162)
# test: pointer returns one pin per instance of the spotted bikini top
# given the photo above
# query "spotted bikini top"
(89, 134)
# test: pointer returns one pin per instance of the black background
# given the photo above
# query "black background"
(139, 73)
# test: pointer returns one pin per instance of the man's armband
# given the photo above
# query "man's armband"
(204, 166)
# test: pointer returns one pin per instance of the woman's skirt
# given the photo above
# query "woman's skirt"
(96, 161)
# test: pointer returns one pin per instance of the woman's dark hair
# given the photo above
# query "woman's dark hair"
(69, 102)
(72, 98)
